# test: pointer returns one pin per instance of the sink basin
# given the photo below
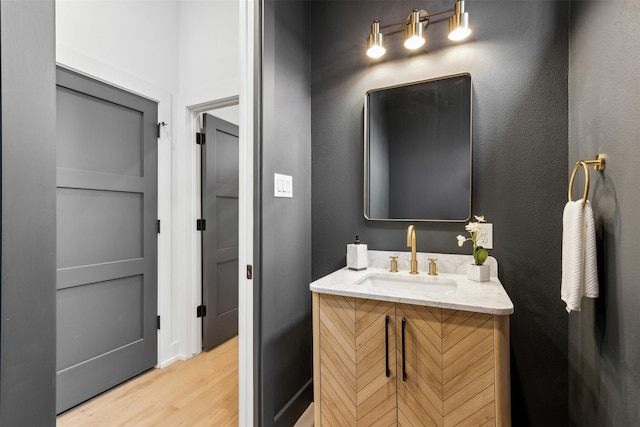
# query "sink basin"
(419, 283)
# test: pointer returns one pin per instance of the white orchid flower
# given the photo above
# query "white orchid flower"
(461, 239)
(472, 227)
(479, 218)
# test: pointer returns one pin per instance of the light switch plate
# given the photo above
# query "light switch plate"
(486, 240)
(282, 185)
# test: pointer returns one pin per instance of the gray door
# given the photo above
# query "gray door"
(220, 164)
(106, 237)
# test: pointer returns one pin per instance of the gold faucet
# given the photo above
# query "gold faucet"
(411, 241)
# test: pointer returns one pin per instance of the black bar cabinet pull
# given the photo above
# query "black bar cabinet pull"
(386, 345)
(404, 365)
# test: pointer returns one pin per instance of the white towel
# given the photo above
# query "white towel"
(579, 264)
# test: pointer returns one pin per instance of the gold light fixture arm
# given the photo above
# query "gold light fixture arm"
(423, 18)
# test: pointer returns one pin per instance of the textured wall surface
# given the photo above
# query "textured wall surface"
(517, 57)
(28, 301)
(604, 107)
(285, 274)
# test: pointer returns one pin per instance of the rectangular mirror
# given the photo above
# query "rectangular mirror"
(417, 151)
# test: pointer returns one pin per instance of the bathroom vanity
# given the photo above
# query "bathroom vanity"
(402, 349)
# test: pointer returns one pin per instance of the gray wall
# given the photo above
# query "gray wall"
(517, 57)
(604, 112)
(285, 273)
(28, 316)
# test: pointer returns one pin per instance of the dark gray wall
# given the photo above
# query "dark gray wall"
(604, 112)
(286, 223)
(517, 57)
(28, 322)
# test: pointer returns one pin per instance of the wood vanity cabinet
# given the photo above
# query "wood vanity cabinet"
(379, 363)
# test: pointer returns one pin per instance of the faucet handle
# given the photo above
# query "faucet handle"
(433, 268)
(394, 263)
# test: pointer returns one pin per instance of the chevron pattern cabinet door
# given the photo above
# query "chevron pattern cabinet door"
(420, 395)
(375, 392)
(354, 387)
(337, 360)
(468, 373)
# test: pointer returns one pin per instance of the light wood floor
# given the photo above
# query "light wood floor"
(201, 391)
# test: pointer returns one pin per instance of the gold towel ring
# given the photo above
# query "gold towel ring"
(586, 181)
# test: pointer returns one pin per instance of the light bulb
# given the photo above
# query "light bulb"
(414, 42)
(459, 34)
(376, 51)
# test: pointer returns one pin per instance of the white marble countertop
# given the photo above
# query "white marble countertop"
(482, 297)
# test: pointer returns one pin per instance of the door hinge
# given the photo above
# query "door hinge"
(201, 311)
(158, 322)
(161, 124)
(200, 138)
(201, 224)
(249, 271)
(158, 226)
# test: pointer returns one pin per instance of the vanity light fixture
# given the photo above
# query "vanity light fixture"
(414, 27)
(374, 42)
(459, 23)
(413, 38)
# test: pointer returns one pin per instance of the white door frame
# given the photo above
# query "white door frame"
(248, 14)
(193, 295)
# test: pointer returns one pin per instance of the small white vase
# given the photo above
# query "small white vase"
(478, 273)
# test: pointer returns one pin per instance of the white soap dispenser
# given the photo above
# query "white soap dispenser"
(357, 255)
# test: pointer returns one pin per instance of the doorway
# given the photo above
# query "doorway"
(102, 39)
(229, 110)
(219, 228)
